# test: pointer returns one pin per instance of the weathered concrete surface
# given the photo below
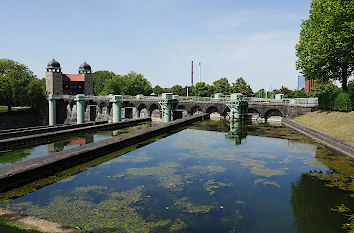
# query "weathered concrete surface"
(26, 171)
(36, 223)
(11, 133)
(10, 142)
(321, 137)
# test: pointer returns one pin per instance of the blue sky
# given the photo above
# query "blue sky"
(252, 39)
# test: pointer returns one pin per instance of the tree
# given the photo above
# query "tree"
(284, 90)
(325, 48)
(99, 80)
(323, 87)
(158, 90)
(178, 90)
(222, 86)
(36, 92)
(14, 79)
(300, 93)
(241, 86)
(129, 84)
(201, 89)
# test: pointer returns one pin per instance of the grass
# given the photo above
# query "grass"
(339, 125)
(7, 225)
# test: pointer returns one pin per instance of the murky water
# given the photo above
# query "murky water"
(206, 179)
(27, 152)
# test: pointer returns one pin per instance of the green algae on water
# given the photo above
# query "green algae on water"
(185, 205)
(117, 212)
(212, 185)
(266, 182)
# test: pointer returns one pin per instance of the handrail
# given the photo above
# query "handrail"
(306, 102)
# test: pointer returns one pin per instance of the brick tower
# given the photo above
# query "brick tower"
(54, 79)
(86, 73)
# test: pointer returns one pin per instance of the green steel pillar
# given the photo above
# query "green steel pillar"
(234, 135)
(80, 108)
(52, 109)
(168, 103)
(116, 101)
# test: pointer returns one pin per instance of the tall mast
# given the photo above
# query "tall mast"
(192, 74)
(199, 72)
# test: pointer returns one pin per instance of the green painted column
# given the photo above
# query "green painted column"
(52, 109)
(166, 112)
(116, 101)
(168, 102)
(80, 108)
(237, 106)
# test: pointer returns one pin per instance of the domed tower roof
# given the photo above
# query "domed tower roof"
(84, 67)
(53, 64)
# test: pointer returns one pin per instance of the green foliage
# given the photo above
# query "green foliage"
(129, 84)
(286, 91)
(99, 80)
(201, 89)
(300, 94)
(342, 102)
(325, 48)
(158, 90)
(323, 87)
(14, 80)
(222, 86)
(36, 92)
(178, 90)
(241, 86)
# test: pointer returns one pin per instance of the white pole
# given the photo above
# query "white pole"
(199, 71)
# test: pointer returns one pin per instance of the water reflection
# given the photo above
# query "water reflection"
(236, 133)
(312, 201)
(196, 181)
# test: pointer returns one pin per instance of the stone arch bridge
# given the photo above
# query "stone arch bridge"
(100, 108)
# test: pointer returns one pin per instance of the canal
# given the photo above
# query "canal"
(22, 153)
(203, 178)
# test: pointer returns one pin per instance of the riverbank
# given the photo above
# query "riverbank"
(20, 223)
(339, 125)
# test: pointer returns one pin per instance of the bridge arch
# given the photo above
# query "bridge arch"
(142, 111)
(254, 112)
(273, 113)
(214, 112)
(154, 111)
(184, 110)
(196, 109)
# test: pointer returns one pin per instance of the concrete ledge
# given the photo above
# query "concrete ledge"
(10, 142)
(321, 137)
(43, 129)
(36, 223)
(26, 171)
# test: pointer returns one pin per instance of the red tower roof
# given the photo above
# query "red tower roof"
(73, 78)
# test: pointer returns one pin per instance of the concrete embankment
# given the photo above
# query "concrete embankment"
(26, 171)
(38, 224)
(322, 138)
(10, 142)
(11, 133)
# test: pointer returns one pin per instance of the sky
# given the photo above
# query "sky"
(253, 39)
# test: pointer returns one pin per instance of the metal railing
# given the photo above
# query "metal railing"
(304, 102)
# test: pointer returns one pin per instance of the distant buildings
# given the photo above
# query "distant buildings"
(309, 84)
(306, 84)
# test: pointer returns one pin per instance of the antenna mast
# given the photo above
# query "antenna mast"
(192, 74)
(199, 71)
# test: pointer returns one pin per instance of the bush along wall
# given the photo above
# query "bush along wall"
(337, 101)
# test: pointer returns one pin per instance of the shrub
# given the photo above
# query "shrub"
(342, 102)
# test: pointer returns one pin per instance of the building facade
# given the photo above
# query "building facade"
(58, 83)
(309, 84)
